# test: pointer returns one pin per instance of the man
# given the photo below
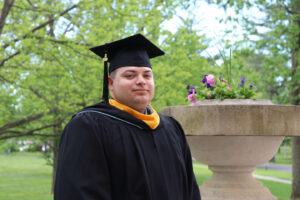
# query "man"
(122, 149)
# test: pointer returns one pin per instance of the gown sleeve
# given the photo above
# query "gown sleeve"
(193, 186)
(82, 170)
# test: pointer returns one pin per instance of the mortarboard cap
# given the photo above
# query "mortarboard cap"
(135, 50)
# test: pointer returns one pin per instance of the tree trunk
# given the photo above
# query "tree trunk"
(296, 168)
(57, 130)
(295, 100)
(55, 157)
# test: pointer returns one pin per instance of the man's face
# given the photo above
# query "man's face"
(132, 86)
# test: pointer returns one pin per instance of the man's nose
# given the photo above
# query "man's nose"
(140, 80)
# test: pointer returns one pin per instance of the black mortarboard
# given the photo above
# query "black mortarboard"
(135, 51)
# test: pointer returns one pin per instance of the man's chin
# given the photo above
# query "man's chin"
(141, 100)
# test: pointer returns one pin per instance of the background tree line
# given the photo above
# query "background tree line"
(47, 72)
(275, 26)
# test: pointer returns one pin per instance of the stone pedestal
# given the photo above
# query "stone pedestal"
(234, 183)
(232, 159)
(232, 137)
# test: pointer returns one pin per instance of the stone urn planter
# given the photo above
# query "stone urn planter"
(232, 137)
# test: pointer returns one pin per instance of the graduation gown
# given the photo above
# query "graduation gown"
(107, 154)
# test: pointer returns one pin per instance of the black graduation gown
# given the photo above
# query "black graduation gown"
(107, 154)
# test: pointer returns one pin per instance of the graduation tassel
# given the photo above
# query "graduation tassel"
(105, 81)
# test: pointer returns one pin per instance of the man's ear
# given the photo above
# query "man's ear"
(110, 82)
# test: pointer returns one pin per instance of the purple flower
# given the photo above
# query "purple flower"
(251, 85)
(191, 96)
(188, 86)
(208, 85)
(191, 92)
(220, 78)
(204, 79)
(243, 80)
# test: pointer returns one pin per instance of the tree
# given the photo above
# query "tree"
(276, 25)
(47, 72)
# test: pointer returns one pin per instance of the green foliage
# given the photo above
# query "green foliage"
(48, 70)
(223, 90)
(8, 147)
(229, 78)
(181, 64)
(246, 92)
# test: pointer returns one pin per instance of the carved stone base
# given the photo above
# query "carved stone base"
(234, 183)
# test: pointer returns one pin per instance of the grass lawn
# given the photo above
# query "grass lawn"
(272, 173)
(25, 176)
(281, 190)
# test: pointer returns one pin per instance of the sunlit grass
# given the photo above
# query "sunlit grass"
(272, 173)
(24, 176)
(281, 190)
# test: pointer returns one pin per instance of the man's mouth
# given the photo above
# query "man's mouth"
(140, 90)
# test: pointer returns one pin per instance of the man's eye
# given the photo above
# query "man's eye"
(128, 75)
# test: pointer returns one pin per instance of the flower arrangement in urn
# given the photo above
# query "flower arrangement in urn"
(219, 88)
